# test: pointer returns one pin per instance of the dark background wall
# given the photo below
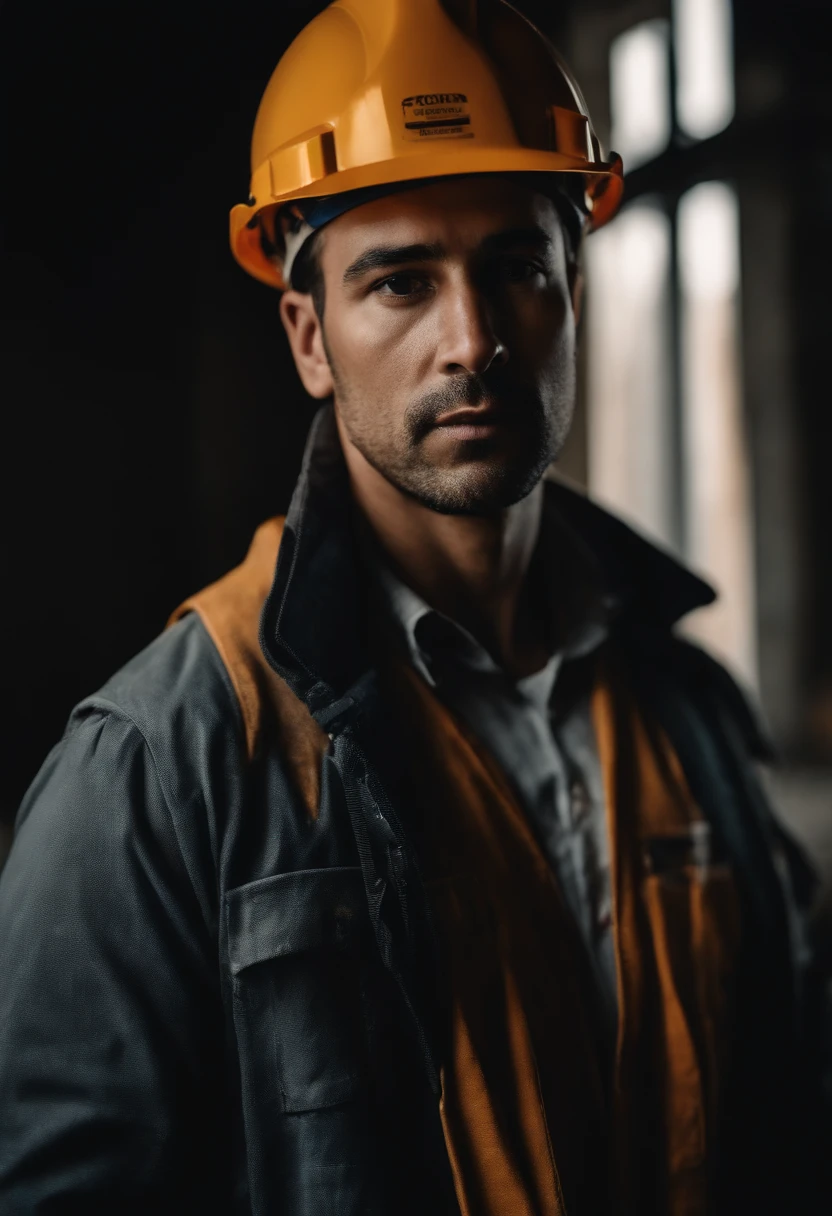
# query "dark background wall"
(151, 414)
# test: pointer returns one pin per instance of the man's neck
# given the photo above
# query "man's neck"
(473, 569)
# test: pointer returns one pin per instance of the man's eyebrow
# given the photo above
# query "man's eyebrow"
(382, 257)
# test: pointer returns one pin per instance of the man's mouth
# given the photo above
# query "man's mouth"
(472, 423)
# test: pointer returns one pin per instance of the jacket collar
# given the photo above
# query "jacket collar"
(314, 627)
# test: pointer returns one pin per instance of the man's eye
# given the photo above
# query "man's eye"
(400, 285)
(520, 270)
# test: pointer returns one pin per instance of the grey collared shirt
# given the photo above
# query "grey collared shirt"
(553, 764)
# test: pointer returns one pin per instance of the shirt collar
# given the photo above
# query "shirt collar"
(575, 594)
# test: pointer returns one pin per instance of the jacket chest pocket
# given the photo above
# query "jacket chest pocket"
(694, 911)
(296, 944)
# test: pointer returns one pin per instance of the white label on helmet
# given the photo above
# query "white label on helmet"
(436, 116)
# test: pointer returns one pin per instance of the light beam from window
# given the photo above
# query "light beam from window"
(703, 49)
(629, 387)
(717, 501)
(640, 92)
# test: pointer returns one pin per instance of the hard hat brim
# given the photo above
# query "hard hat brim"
(603, 183)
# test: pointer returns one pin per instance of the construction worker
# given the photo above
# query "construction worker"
(418, 866)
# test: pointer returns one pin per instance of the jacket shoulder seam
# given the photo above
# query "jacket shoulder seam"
(107, 708)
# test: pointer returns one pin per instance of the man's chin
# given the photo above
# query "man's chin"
(473, 492)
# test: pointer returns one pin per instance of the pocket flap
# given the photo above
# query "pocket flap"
(289, 913)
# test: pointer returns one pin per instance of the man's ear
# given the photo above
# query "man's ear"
(306, 338)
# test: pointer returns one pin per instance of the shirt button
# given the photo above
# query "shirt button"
(604, 919)
(579, 801)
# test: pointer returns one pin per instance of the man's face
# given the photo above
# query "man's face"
(450, 336)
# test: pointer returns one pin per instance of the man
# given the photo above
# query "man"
(418, 866)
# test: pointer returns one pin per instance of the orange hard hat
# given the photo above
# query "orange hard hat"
(377, 92)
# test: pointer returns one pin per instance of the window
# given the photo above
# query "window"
(665, 427)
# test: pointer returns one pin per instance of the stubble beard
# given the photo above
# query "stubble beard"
(480, 486)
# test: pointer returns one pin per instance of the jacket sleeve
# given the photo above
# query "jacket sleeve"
(111, 1049)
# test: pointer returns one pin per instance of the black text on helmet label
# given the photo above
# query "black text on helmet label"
(436, 116)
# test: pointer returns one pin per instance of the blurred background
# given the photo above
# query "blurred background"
(153, 417)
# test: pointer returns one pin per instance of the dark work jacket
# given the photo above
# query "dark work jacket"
(212, 1000)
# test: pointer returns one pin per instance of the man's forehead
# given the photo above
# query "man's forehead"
(456, 211)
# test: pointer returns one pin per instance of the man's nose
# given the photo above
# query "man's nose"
(469, 342)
